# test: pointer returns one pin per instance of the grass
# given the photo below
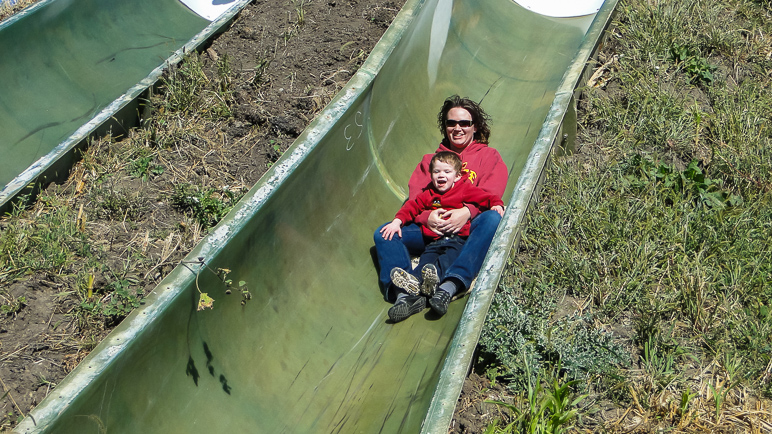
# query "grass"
(649, 252)
(7, 9)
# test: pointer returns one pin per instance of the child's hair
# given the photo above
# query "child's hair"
(447, 158)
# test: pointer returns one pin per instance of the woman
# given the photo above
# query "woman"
(464, 126)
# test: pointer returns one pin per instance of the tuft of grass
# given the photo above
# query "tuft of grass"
(300, 11)
(115, 302)
(190, 92)
(121, 204)
(541, 409)
(12, 305)
(46, 239)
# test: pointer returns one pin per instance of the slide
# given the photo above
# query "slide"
(71, 69)
(312, 350)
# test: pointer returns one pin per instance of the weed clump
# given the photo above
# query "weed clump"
(118, 300)
(528, 341)
(207, 205)
(697, 67)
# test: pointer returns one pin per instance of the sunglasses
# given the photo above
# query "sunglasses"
(450, 123)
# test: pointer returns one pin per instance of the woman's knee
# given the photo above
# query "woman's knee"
(377, 237)
(487, 218)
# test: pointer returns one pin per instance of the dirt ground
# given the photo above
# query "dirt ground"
(301, 65)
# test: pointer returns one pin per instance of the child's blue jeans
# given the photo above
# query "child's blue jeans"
(396, 252)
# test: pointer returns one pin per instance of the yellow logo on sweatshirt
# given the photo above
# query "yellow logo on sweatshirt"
(471, 174)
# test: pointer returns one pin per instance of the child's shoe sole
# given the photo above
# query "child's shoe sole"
(406, 281)
(431, 280)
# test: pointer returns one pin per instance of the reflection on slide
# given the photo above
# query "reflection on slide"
(209, 9)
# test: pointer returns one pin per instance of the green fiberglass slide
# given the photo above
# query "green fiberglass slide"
(312, 350)
(71, 67)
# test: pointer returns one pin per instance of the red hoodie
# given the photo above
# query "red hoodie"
(462, 193)
(481, 163)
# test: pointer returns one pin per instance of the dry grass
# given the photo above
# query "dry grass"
(7, 9)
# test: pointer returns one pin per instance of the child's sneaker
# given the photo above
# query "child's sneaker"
(431, 280)
(440, 301)
(404, 280)
(407, 306)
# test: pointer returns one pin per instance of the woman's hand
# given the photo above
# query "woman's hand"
(395, 227)
(447, 222)
(499, 209)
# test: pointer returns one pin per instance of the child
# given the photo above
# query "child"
(449, 190)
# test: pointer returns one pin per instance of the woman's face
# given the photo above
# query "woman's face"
(458, 135)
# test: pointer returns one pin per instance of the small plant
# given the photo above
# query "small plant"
(120, 203)
(208, 206)
(118, 302)
(492, 373)
(205, 301)
(275, 153)
(698, 68)
(13, 306)
(261, 66)
(639, 172)
(143, 168)
(300, 11)
(686, 398)
(543, 411)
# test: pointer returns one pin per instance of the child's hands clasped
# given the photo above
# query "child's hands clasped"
(395, 227)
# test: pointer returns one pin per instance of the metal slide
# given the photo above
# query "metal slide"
(312, 350)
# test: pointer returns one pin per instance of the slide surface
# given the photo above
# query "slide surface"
(312, 351)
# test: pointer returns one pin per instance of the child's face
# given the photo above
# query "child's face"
(444, 176)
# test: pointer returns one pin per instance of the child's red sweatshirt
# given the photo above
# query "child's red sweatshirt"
(463, 193)
(481, 164)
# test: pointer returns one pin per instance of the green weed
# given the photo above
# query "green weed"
(300, 11)
(275, 153)
(698, 68)
(261, 65)
(13, 305)
(542, 410)
(207, 205)
(526, 341)
(143, 167)
(639, 172)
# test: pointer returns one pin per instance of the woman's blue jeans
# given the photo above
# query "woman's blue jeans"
(396, 252)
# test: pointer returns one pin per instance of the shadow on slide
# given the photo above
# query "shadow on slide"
(312, 350)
